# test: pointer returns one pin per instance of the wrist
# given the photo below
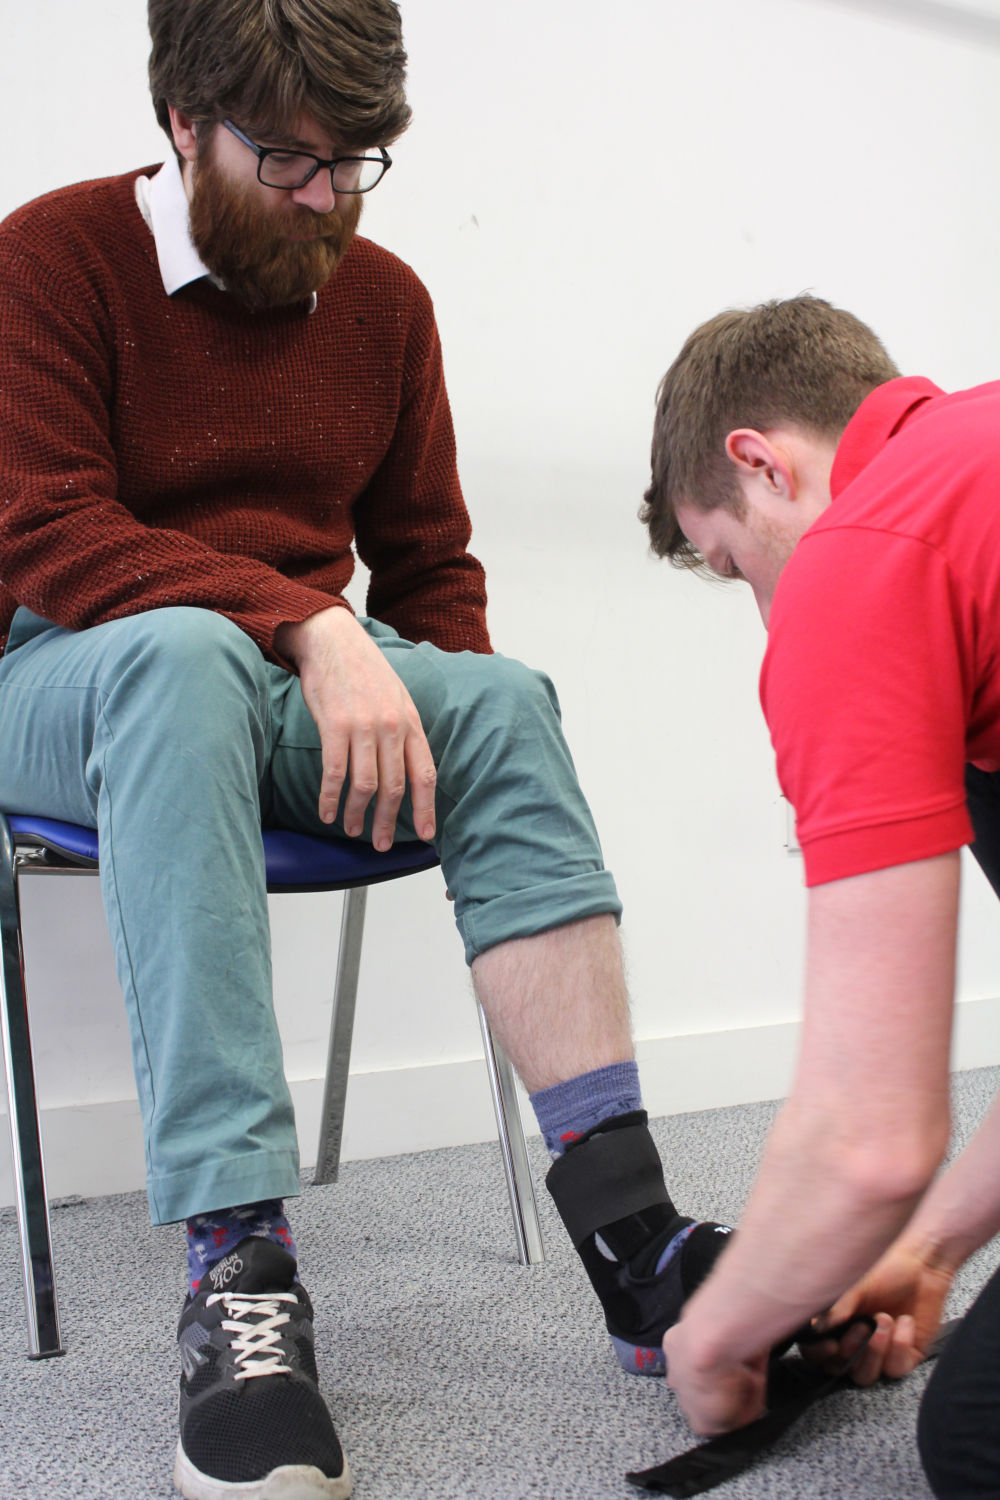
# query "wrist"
(293, 637)
(732, 1319)
(710, 1337)
(941, 1254)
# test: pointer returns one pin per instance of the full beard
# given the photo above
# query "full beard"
(252, 249)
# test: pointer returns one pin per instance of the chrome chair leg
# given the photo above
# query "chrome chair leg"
(338, 1060)
(514, 1153)
(44, 1338)
(513, 1149)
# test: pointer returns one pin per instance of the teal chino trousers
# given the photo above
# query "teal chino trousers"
(171, 735)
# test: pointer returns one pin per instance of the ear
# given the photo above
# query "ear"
(182, 127)
(756, 457)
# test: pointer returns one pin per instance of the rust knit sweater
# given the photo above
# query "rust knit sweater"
(161, 451)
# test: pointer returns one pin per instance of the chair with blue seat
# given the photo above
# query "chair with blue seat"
(294, 862)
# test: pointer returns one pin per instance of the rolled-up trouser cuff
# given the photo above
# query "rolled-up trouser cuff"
(536, 909)
(223, 1182)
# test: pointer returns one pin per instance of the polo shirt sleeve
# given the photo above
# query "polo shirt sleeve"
(866, 689)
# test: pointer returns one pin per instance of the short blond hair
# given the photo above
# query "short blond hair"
(798, 362)
(263, 63)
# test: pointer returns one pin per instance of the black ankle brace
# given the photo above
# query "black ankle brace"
(610, 1182)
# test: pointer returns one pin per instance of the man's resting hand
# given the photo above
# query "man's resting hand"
(367, 725)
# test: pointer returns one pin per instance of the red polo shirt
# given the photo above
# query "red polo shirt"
(882, 672)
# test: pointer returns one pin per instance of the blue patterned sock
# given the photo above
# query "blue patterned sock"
(211, 1236)
(568, 1110)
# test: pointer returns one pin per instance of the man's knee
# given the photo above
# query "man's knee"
(186, 631)
(187, 647)
(500, 750)
(513, 694)
(185, 666)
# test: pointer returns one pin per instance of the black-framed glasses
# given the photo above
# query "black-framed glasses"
(279, 168)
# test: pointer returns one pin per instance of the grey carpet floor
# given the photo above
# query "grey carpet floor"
(452, 1372)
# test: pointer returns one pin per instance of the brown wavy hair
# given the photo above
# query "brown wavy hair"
(262, 63)
(799, 362)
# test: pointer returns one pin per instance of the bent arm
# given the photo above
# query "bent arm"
(865, 1125)
(412, 525)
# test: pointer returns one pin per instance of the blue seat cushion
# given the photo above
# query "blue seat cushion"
(294, 861)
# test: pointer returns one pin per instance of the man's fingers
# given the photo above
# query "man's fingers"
(903, 1356)
(423, 784)
(377, 764)
(891, 1352)
(335, 755)
(363, 782)
(400, 765)
(373, 745)
(391, 786)
(868, 1366)
(832, 1354)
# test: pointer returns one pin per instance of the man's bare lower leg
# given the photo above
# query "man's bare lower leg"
(557, 1001)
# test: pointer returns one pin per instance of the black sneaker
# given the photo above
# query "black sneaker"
(253, 1423)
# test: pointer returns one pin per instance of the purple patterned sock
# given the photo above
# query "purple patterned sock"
(211, 1236)
(568, 1110)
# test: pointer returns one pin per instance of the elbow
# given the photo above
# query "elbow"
(869, 1159)
(892, 1167)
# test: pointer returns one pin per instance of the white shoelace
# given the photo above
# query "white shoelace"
(255, 1344)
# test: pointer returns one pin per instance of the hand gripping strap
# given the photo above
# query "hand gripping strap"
(790, 1392)
(604, 1178)
(792, 1388)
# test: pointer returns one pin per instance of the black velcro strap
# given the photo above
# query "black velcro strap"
(604, 1178)
(723, 1457)
(793, 1387)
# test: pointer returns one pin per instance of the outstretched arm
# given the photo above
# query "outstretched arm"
(857, 1143)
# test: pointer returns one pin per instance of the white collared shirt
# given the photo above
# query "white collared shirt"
(163, 203)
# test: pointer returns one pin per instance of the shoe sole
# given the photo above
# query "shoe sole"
(290, 1482)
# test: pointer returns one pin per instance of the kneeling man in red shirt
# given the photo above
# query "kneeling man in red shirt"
(863, 509)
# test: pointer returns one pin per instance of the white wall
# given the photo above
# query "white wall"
(581, 185)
